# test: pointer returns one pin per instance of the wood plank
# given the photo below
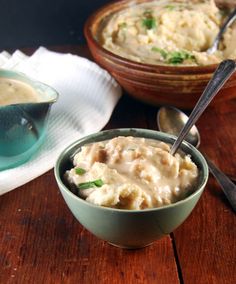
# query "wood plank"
(206, 243)
(41, 242)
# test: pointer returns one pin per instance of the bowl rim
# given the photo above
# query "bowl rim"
(160, 135)
(133, 64)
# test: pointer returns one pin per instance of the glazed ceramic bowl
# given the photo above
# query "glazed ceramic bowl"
(180, 86)
(23, 126)
(129, 228)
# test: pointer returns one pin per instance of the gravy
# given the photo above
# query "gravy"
(16, 92)
(132, 173)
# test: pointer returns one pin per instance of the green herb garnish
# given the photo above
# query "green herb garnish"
(149, 23)
(177, 57)
(174, 57)
(170, 7)
(89, 184)
(80, 171)
(161, 51)
(123, 25)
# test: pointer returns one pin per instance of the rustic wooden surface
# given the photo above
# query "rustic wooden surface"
(41, 242)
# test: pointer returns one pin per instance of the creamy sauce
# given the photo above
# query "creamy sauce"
(16, 92)
(169, 33)
(132, 173)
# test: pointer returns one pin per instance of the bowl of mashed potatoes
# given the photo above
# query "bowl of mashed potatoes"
(125, 187)
(156, 49)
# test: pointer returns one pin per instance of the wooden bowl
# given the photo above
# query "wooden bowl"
(180, 86)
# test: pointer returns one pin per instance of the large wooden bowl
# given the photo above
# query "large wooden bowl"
(155, 84)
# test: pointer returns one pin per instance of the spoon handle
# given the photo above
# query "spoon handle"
(220, 76)
(227, 23)
(226, 184)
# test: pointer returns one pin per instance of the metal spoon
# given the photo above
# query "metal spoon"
(171, 120)
(220, 76)
(231, 18)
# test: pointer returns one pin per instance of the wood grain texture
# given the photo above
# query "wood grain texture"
(206, 241)
(41, 242)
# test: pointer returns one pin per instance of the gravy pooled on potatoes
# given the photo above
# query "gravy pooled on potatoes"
(169, 33)
(132, 173)
(16, 92)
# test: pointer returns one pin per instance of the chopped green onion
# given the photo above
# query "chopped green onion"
(123, 25)
(80, 171)
(89, 184)
(177, 57)
(161, 51)
(170, 7)
(149, 23)
(174, 57)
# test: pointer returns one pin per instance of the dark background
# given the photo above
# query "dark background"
(30, 23)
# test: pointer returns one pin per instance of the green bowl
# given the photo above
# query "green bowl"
(129, 228)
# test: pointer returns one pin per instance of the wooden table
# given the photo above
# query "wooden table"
(41, 242)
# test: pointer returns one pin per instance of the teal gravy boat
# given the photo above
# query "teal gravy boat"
(23, 125)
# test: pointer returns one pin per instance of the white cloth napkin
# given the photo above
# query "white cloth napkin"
(87, 97)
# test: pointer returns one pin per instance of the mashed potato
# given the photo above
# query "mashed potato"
(131, 173)
(169, 32)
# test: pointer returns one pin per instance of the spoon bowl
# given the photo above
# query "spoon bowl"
(171, 120)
